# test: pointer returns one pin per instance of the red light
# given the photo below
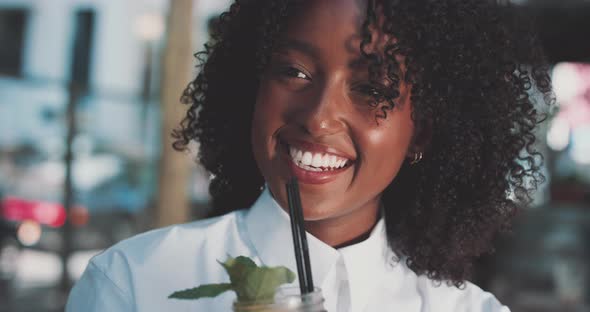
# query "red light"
(17, 209)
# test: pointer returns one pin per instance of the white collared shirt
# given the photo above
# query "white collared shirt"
(139, 273)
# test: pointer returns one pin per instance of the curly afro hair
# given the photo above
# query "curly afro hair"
(473, 66)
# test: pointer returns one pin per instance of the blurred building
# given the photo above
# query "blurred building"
(37, 44)
(118, 64)
(110, 50)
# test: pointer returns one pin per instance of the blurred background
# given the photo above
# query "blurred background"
(85, 159)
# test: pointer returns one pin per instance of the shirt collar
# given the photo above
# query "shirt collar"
(269, 229)
(367, 264)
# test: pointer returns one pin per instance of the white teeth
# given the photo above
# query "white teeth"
(307, 159)
(332, 161)
(299, 156)
(316, 161)
(312, 168)
(326, 161)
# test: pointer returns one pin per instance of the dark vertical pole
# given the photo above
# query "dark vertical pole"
(77, 87)
(146, 90)
(74, 90)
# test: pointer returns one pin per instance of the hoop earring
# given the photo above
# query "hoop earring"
(417, 158)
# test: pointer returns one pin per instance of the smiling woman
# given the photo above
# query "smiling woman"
(407, 123)
(313, 98)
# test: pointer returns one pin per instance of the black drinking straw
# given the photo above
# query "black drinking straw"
(299, 238)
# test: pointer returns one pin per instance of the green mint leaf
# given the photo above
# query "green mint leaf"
(253, 283)
(238, 268)
(208, 290)
(248, 280)
(262, 283)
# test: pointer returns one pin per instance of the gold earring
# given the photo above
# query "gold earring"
(417, 158)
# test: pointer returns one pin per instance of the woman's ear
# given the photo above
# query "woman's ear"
(420, 140)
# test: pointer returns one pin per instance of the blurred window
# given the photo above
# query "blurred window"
(12, 30)
(82, 46)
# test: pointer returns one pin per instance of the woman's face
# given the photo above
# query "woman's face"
(312, 121)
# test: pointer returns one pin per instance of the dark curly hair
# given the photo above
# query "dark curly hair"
(473, 67)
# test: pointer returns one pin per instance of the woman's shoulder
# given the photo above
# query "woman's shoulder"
(176, 242)
(146, 268)
(468, 297)
(413, 289)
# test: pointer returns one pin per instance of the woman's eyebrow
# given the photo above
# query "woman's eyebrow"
(300, 46)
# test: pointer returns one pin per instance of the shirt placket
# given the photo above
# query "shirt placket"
(343, 286)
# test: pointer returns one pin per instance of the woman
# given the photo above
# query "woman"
(405, 123)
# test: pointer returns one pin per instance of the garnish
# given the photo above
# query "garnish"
(249, 281)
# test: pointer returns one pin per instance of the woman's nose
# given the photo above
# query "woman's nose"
(323, 111)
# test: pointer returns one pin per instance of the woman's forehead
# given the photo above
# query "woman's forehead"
(325, 15)
(332, 26)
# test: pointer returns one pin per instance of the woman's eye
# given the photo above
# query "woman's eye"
(295, 73)
(375, 94)
(370, 91)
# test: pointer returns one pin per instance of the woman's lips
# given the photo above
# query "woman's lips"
(317, 148)
(314, 176)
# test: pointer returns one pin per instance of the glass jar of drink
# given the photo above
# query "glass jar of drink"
(287, 299)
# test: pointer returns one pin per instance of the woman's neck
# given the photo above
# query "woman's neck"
(345, 230)
(356, 240)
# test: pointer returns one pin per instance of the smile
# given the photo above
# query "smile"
(317, 162)
(314, 163)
